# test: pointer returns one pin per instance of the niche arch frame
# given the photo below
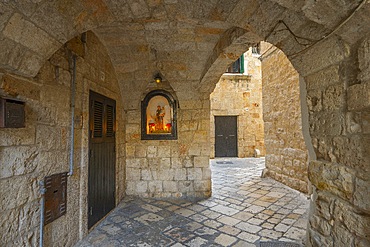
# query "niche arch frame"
(171, 121)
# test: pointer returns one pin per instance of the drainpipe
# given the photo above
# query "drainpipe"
(42, 209)
(73, 94)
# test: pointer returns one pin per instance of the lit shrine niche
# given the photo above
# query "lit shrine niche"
(158, 116)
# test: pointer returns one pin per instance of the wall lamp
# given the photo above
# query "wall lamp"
(158, 78)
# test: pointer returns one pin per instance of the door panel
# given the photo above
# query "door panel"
(226, 143)
(102, 158)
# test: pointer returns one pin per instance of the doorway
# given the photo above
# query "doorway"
(102, 157)
(226, 133)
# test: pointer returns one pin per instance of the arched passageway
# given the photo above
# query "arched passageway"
(190, 43)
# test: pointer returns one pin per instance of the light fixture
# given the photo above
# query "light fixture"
(158, 78)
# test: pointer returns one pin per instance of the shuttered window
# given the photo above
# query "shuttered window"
(103, 116)
(237, 66)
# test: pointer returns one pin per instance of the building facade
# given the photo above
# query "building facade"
(238, 95)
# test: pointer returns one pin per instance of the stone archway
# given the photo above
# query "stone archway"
(184, 40)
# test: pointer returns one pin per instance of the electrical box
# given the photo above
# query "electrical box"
(55, 197)
(11, 113)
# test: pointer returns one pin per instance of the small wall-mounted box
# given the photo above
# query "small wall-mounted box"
(55, 196)
(11, 113)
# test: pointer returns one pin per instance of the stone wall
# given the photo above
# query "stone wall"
(338, 98)
(170, 168)
(241, 95)
(286, 152)
(41, 149)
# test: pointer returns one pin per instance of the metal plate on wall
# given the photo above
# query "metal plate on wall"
(11, 113)
(55, 196)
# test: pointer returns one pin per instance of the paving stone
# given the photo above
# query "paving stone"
(279, 216)
(243, 215)
(179, 234)
(267, 225)
(295, 233)
(146, 218)
(262, 217)
(197, 242)
(197, 207)
(272, 212)
(271, 234)
(198, 217)
(184, 212)
(228, 220)
(178, 245)
(242, 243)
(237, 207)
(255, 221)
(225, 210)
(300, 211)
(173, 208)
(225, 240)
(251, 238)
(281, 227)
(230, 230)
(248, 227)
(221, 202)
(301, 223)
(288, 221)
(254, 209)
(205, 231)
(111, 229)
(212, 223)
(151, 208)
(211, 214)
(262, 203)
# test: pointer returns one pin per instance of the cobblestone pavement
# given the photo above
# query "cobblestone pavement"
(243, 210)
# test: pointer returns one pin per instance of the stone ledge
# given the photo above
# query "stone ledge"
(231, 76)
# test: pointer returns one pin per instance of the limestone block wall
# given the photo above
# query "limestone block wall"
(286, 152)
(338, 98)
(241, 95)
(171, 168)
(41, 149)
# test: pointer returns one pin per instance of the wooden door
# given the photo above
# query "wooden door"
(102, 157)
(226, 143)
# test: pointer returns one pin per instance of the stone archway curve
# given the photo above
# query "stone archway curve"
(336, 71)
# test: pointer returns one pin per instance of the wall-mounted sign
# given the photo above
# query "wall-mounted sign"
(158, 116)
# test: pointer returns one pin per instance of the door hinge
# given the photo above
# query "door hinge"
(91, 211)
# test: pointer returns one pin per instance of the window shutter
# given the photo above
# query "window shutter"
(241, 70)
(98, 119)
(110, 121)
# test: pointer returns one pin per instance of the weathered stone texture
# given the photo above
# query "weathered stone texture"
(340, 177)
(40, 149)
(37, 41)
(170, 168)
(286, 152)
(241, 95)
(190, 42)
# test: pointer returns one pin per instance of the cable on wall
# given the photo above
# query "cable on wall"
(299, 39)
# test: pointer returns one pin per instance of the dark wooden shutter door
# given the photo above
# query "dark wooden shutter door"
(226, 143)
(102, 157)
